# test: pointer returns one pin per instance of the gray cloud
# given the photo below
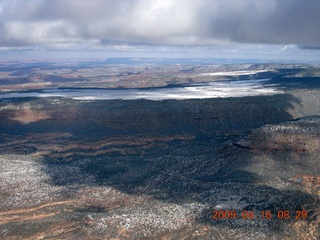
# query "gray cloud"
(158, 22)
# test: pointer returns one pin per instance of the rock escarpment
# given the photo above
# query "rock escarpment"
(301, 135)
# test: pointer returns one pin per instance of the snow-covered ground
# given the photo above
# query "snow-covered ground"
(234, 73)
(216, 89)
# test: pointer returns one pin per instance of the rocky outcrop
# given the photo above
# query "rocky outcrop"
(301, 135)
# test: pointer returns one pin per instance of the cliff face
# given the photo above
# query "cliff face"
(283, 150)
(302, 135)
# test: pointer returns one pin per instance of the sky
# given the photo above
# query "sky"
(268, 29)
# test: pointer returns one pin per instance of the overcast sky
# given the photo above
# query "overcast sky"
(229, 26)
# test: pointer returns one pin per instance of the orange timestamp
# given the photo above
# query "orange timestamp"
(264, 214)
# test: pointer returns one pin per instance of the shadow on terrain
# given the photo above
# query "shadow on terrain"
(207, 170)
(297, 83)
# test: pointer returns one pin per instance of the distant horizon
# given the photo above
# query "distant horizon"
(89, 56)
